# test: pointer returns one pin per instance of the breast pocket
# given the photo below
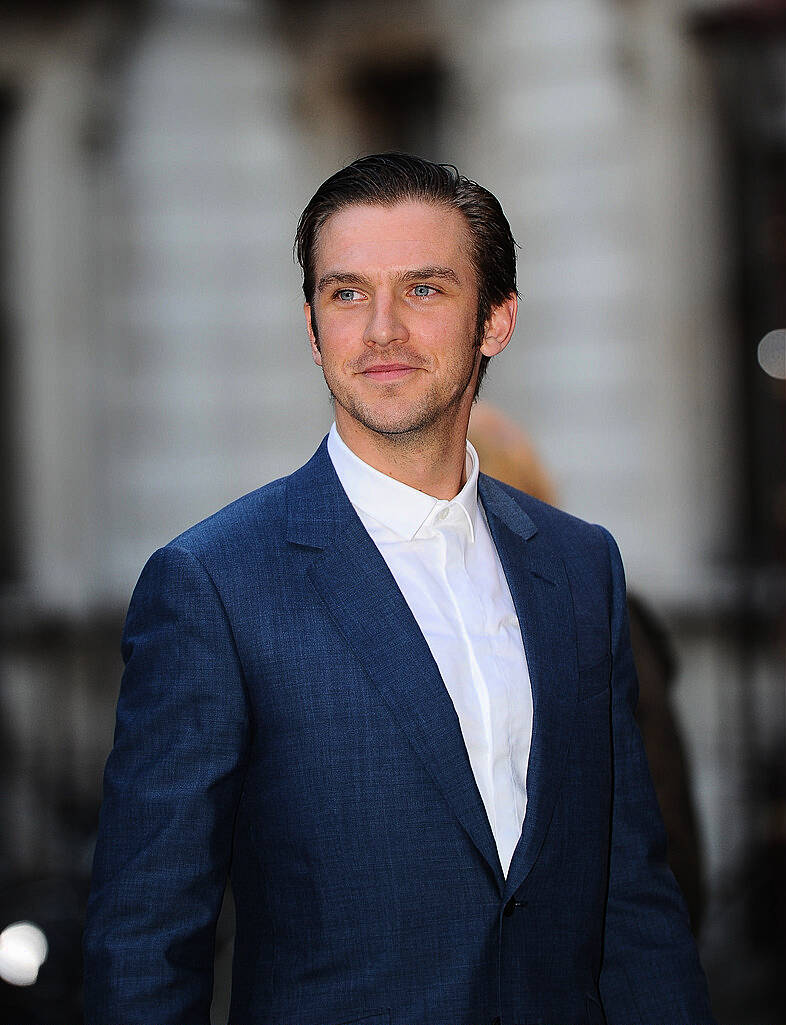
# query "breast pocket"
(594, 679)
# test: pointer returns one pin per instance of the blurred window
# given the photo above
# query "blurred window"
(366, 83)
(399, 105)
(746, 45)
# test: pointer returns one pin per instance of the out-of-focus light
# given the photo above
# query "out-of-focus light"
(772, 353)
(23, 949)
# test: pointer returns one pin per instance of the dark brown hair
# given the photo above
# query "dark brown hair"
(387, 178)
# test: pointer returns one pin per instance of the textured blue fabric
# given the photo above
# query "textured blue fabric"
(281, 719)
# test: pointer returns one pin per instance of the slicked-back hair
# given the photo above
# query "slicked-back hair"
(384, 179)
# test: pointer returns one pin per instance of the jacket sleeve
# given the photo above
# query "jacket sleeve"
(651, 973)
(171, 790)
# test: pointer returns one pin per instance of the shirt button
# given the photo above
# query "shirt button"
(443, 514)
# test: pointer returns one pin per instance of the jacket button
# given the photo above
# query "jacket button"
(510, 907)
(497, 1021)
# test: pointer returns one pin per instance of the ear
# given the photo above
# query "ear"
(499, 326)
(311, 336)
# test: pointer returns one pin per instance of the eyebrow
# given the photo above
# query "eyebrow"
(416, 274)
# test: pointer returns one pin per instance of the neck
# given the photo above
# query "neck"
(432, 462)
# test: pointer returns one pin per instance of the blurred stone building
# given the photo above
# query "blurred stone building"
(153, 161)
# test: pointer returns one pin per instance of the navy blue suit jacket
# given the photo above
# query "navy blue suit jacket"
(281, 719)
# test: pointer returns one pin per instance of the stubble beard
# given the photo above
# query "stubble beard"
(417, 418)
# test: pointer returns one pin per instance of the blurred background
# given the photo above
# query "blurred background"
(154, 159)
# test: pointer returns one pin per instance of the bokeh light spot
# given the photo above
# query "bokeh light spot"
(23, 949)
(772, 353)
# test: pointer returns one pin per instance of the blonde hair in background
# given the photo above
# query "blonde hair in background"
(505, 452)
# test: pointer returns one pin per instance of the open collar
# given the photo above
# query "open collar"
(402, 509)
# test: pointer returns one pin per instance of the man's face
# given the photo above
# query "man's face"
(395, 307)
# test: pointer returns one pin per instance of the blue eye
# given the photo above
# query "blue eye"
(423, 291)
(346, 295)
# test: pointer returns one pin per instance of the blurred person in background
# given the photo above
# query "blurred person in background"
(392, 697)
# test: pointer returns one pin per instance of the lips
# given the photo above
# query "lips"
(387, 371)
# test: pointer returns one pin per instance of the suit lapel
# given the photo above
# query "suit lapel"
(369, 610)
(541, 595)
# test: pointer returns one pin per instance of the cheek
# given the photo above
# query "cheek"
(334, 342)
(452, 342)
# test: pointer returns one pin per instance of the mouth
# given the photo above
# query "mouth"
(388, 371)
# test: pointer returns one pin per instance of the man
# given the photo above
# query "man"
(391, 698)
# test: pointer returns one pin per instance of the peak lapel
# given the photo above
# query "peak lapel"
(541, 595)
(372, 615)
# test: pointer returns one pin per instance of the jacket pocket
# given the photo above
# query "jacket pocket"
(595, 679)
(595, 1015)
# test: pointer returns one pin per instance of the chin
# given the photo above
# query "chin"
(398, 422)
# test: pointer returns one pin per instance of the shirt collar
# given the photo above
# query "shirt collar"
(397, 506)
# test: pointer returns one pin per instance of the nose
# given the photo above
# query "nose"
(385, 324)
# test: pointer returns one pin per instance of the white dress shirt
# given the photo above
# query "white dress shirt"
(444, 561)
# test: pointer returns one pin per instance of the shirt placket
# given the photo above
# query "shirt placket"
(466, 603)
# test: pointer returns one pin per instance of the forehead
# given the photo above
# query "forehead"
(374, 239)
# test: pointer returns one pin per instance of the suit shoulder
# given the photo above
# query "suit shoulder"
(554, 523)
(253, 527)
(257, 515)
